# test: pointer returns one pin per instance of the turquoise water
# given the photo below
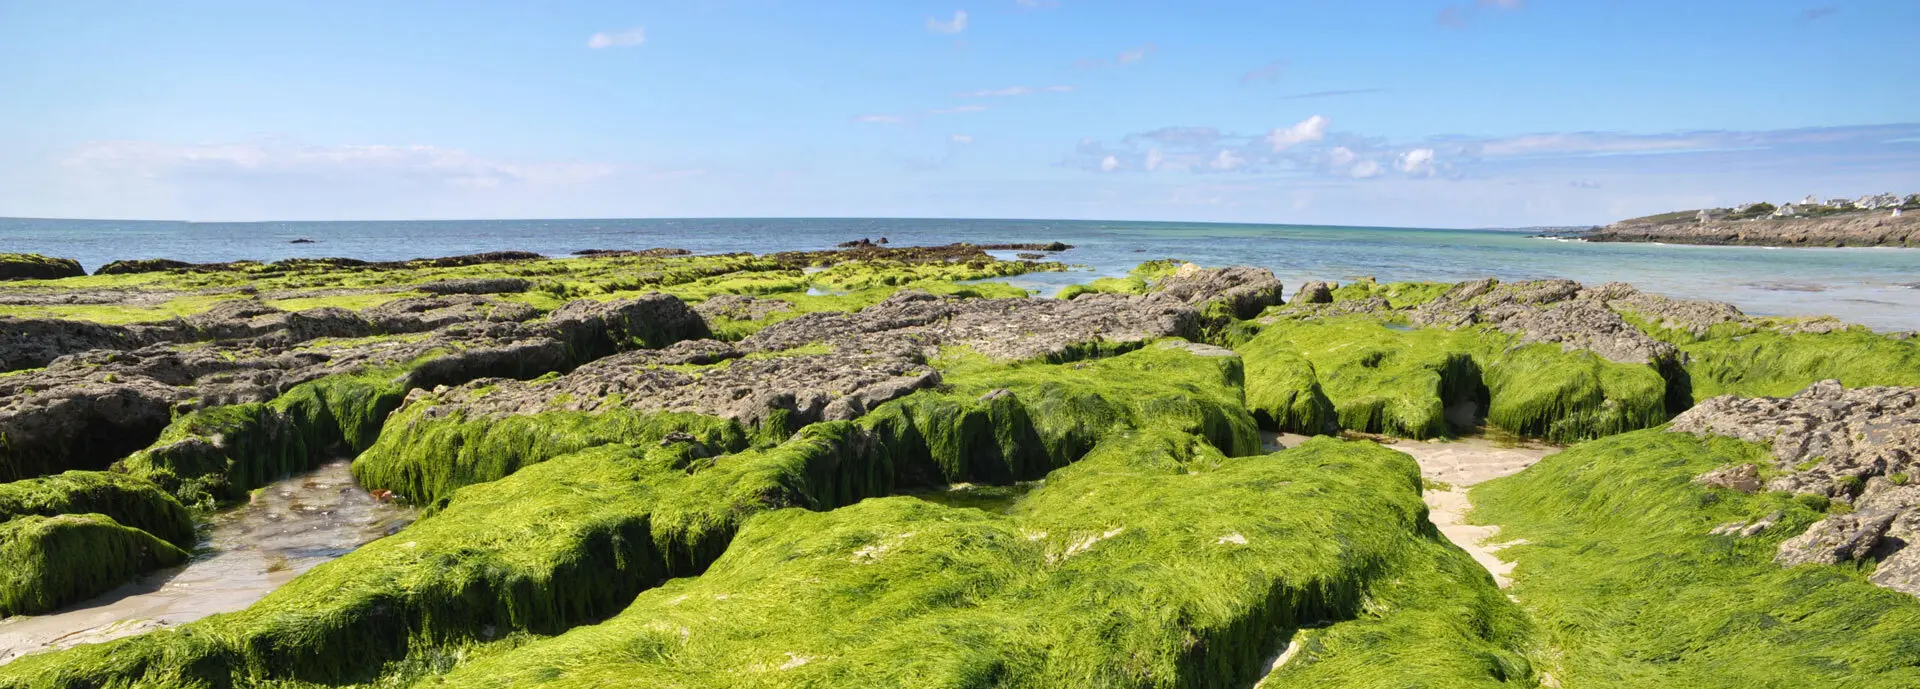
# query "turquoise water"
(1875, 287)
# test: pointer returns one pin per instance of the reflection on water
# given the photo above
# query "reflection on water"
(288, 528)
(995, 499)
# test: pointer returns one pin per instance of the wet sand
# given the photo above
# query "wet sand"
(1460, 463)
(289, 527)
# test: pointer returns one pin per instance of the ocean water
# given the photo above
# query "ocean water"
(1879, 288)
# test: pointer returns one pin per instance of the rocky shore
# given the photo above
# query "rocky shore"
(652, 468)
(1857, 228)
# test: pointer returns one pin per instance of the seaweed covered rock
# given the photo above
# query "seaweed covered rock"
(1551, 311)
(126, 499)
(37, 267)
(1152, 562)
(475, 286)
(1854, 446)
(1237, 291)
(48, 562)
(740, 307)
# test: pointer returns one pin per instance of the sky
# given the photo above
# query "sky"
(1414, 113)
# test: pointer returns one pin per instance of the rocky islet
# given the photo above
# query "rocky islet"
(583, 431)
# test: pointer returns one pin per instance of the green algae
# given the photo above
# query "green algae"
(1540, 391)
(1137, 281)
(48, 562)
(126, 499)
(800, 304)
(425, 452)
(1154, 562)
(1631, 590)
(1400, 295)
(1380, 379)
(1771, 364)
(217, 454)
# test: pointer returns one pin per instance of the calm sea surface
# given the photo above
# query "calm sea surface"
(1875, 287)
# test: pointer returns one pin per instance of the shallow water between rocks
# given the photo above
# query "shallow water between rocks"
(246, 552)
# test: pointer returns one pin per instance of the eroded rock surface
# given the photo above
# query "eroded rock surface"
(1855, 446)
(1555, 311)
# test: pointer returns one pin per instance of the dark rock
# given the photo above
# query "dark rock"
(643, 253)
(1029, 256)
(37, 267)
(1314, 293)
(302, 240)
(476, 286)
(144, 265)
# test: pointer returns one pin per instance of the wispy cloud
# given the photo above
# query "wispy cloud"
(1013, 91)
(879, 119)
(950, 26)
(1036, 4)
(1126, 57)
(288, 160)
(958, 109)
(1330, 94)
(628, 38)
(1819, 13)
(1458, 16)
(1267, 73)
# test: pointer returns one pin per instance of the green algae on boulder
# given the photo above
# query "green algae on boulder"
(37, 267)
(126, 499)
(1634, 585)
(48, 562)
(1775, 364)
(1156, 561)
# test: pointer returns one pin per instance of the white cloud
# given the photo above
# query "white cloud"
(1155, 158)
(1013, 91)
(1418, 161)
(618, 39)
(1365, 169)
(1340, 157)
(449, 166)
(958, 109)
(962, 139)
(1311, 129)
(879, 119)
(1227, 161)
(952, 26)
(1109, 164)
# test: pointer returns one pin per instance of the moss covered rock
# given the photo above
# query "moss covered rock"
(48, 562)
(37, 267)
(129, 500)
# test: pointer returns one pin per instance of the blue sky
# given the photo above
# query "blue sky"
(1445, 113)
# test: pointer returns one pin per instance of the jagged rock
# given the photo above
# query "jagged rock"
(1553, 311)
(1242, 291)
(1747, 530)
(1827, 439)
(740, 307)
(1900, 572)
(1836, 539)
(33, 342)
(1315, 293)
(476, 286)
(1696, 317)
(1744, 478)
(651, 320)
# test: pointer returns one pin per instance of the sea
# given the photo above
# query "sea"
(1875, 287)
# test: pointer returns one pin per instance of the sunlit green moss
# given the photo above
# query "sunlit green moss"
(1631, 589)
(1136, 281)
(1401, 295)
(48, 562)
(1769, 364)
(128, 500)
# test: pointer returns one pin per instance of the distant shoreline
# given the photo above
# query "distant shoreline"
(1871, 228)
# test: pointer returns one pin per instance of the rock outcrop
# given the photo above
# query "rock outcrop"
(37, 267)
(1863, 228)
(1855, 446)
(1554, 311)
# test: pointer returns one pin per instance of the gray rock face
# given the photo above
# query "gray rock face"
(1692, 316)
(86, 410)
(1744, 478)
(740, 307)
(1828, 439)
(872, 356)
(1556, 311)
(476, 286)
(1244, 292)
(1855, 446)
(1836, 539)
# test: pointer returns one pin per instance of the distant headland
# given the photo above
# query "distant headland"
(1875, 220)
